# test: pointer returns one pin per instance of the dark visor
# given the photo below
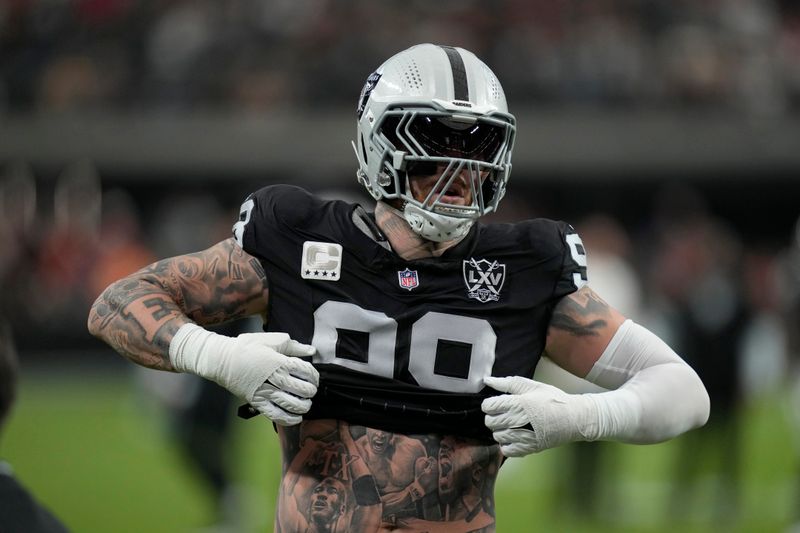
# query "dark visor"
(478, 141)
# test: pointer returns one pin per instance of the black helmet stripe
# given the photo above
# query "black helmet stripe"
(460, 87)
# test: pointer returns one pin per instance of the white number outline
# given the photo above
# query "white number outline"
(579, 279)
(382, 332)
(238, 227)
(426, 332)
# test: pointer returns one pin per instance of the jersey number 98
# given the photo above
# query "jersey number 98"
(473, 340)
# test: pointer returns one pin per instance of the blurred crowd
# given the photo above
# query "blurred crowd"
(258, 55)
(64, 243)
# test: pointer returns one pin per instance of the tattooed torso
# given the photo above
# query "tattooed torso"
(342, 477)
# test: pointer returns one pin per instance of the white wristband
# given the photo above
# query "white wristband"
(222, 359)
(263, 368)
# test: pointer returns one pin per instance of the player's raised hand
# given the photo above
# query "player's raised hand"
(261, 368)
(426, 474)
(534, 416)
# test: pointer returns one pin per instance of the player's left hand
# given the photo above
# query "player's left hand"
(534, 416)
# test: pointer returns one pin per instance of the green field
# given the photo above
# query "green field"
(97, 453)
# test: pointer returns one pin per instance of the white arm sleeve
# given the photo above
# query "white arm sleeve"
(657, 395)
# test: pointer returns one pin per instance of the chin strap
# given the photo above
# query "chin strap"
(435, 227)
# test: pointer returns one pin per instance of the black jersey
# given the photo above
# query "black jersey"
(405, 345)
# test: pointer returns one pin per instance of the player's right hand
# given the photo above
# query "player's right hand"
(284, 384)
(262, 368)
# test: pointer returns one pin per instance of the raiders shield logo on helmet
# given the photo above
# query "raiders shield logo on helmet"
(484, 279)
(372, 80)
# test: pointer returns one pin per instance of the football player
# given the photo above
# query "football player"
(413, 319)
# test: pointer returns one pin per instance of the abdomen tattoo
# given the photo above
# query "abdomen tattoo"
(340, 477)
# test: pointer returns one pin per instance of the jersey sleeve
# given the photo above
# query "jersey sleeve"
(268, 213)
(573, 274)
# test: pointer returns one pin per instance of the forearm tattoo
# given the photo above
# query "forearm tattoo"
(581, 314)
(342, 477)
(139, 315)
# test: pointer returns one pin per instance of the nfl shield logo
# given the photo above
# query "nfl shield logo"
(484, 279)
(408, 279)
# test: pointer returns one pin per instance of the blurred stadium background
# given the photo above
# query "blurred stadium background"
(667, 132)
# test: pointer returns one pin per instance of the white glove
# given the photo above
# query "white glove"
(254, 366)
(656, 396)
(535, 416)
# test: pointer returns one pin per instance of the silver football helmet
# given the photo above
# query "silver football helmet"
(435, 111)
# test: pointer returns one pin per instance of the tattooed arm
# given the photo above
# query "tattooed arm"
(654, 395)
(368, 504)
(151, 318)
(580, 329)
(420, 482)
(139, 315)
